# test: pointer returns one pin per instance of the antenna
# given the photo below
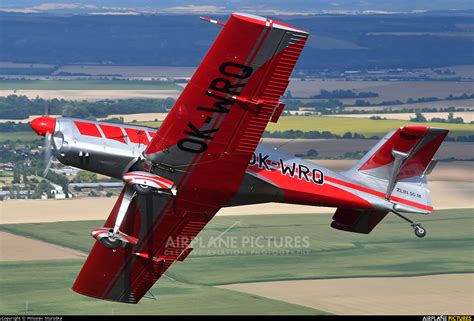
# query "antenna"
(281, 145)
(212, 21)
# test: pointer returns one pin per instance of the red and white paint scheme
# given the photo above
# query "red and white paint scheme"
(206, 155)
(104, 234)
(147, 179)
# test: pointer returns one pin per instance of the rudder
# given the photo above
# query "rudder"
(398, 165)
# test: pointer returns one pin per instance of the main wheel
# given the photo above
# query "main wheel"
(142, 189)
(419, 231)
(111, 243)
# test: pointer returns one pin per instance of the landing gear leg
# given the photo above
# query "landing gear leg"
(128, 195)
(419, 231)
(114, 240)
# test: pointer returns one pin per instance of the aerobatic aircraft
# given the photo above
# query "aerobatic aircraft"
(206, 155)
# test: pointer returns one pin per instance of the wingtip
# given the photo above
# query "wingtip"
(268, 22)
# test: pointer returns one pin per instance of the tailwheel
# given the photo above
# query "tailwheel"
(419, 231)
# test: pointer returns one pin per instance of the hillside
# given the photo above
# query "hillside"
(338, 42)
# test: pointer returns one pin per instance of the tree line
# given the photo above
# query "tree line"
(21, 107)
(293, 134)
(451, 97)
(313, 134)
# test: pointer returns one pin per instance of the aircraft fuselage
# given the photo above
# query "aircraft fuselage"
(114, 149)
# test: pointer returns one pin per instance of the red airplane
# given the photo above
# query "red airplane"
(206, 155)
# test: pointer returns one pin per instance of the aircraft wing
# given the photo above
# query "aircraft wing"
(127, 273)
(218, 120)
(204, 147)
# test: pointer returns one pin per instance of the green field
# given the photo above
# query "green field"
(28, 136)
(86, 85)
(367, 127)
(341, 125)
(335, 125)
(44, 288)
(390, 250)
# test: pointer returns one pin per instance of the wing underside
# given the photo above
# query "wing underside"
(204, 147)
(127, 273)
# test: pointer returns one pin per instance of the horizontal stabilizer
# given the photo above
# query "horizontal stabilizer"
(397, 166)
(410, 149)
(357, 220)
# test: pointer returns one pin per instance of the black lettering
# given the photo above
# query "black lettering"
(304, 172)
(262, 161)
(192, 145)
(253, 160)
(219, 106)
(318, 176)
(200, 133)
(287, 169)
(242, 71)
(225, 87)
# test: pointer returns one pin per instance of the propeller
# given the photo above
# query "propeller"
(45, 126)
(48, 137)
(48, 156)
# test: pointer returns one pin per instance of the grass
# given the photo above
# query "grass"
(86, 85)
(367, 127)
(45, 288)
(28, 136)
(341, 125)
(390, 250)
(247, 252)
(75, 235)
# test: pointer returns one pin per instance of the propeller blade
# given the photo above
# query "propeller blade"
(48, 166)
(48, 157)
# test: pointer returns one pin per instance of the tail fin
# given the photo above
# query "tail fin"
(398, 165)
